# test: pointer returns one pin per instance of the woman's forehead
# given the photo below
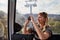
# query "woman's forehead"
(40, 16)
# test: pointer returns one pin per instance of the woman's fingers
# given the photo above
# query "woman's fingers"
(31, 17)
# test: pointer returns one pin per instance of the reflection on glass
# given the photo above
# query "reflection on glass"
(24, 8)
(3, 19)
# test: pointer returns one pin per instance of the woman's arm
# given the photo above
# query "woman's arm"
(25, 26)
(41, 35)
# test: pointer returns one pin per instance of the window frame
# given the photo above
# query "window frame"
(11, 17)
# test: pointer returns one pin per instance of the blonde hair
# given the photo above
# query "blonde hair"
(1, 29)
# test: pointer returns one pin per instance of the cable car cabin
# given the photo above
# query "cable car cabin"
(12, 17)
(13, 14)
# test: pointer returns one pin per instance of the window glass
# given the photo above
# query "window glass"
(3, 19)
(24, 8)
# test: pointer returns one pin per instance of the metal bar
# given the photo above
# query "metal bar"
(31, 9)
(11, 8)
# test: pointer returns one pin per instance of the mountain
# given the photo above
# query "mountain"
(2, 14)
(20, 19)
(54, 16)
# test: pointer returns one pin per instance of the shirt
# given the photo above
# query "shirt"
(45, 29)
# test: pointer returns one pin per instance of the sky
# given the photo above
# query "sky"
(49, 6)
(4, 5)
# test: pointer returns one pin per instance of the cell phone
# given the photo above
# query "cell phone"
(29, 18)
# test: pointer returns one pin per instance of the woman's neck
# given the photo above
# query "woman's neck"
(42, 25)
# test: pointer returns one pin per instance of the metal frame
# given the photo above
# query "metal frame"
(11, 17)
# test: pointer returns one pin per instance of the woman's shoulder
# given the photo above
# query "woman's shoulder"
(48, 29)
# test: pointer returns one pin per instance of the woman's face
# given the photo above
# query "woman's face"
(41, 19)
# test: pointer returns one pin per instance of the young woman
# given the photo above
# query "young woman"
(42, 29)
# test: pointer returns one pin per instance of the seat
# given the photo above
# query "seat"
(22, 37)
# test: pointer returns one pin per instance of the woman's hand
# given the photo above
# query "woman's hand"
(26, 22)
(25, 27)
(32, 19)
